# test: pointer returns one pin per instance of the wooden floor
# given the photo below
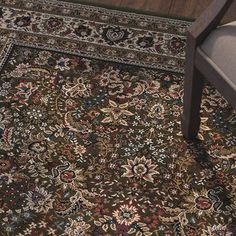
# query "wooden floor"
(182, 8)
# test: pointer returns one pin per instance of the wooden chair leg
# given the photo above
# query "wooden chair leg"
(193, 86)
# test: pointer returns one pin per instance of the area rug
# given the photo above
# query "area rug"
(90, 138)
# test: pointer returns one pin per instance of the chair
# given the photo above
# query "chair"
(211, 55)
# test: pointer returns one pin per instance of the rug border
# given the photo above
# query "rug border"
(11, 43)
(72, 3)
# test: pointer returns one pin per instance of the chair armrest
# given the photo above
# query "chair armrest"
(209, 20)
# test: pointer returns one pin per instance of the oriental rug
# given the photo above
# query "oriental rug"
(90, 138)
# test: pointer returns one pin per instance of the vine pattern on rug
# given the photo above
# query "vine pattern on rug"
(89, 147)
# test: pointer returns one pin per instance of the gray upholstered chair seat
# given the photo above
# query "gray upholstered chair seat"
(210, 56)
(220, 50)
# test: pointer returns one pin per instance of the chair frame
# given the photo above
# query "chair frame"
(198, 68)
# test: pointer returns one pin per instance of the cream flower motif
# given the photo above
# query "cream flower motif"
(26, 89)
(39, 200)
(200, 203)
(5, 117)
(203, 128)
(218, 230)
(80, 150)
(116, 113)
(157, 111)
(77, 228)
(20, 70)
(68, 176)
(126, 215)
(140, 168)
(62, 64)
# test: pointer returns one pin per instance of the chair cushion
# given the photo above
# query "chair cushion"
(220, 47)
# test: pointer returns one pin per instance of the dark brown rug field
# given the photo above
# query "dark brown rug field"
(90, 139)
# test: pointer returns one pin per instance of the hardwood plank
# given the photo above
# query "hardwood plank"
(181, 8)
(157, 6)
(231, 14)
(152, 6)
(190, 8)
(193, 8)
(110, 3)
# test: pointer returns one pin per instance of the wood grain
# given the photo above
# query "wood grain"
(231, 14)
(190, 8)
(181, 8)
(109, 3)
(157, 6)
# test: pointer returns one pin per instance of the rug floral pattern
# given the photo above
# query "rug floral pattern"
(94, 148)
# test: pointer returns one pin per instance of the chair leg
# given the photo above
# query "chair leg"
(193, 87)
